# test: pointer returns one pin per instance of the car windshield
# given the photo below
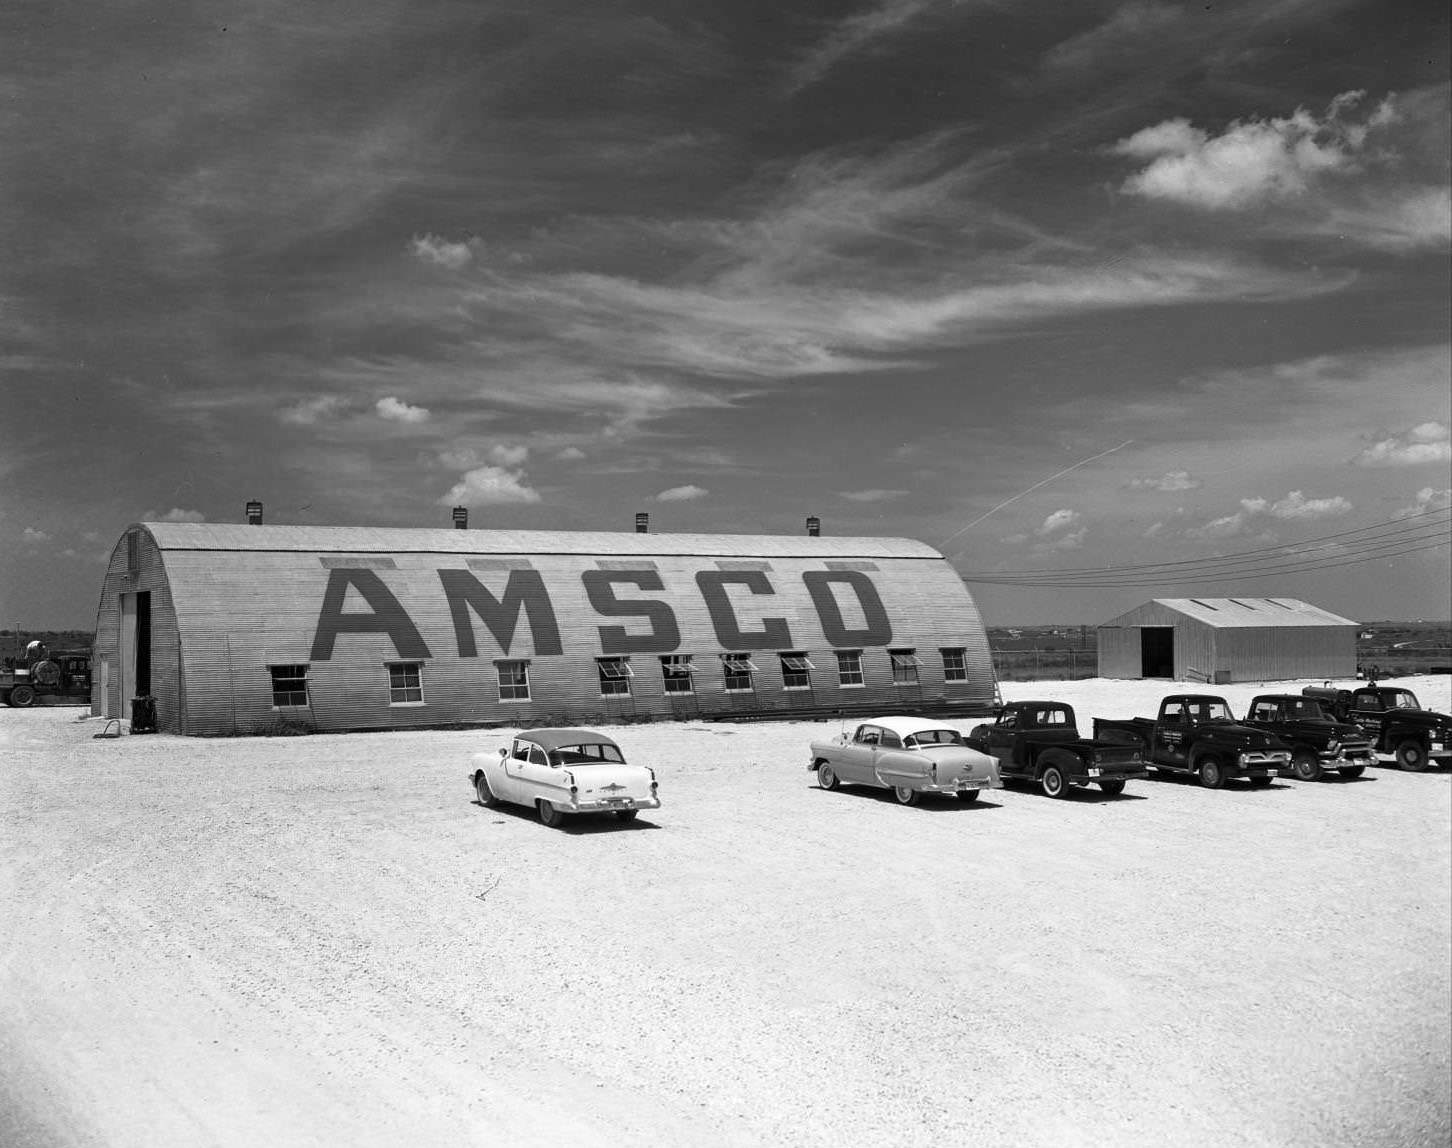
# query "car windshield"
(1209, 711)
(1303, 709)
(923, 737)
(588, 753)
(1401, 700)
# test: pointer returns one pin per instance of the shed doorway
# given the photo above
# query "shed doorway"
(1157, 651)
(135, 646)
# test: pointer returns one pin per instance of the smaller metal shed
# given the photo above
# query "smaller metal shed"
(1219, 640)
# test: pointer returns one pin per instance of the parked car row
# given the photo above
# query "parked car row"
(569, 771)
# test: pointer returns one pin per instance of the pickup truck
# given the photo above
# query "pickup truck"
(1319, 743)
(1197, 734)
(1393, 720)
(1040, 742)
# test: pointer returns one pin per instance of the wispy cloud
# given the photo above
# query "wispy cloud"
(857, 33)
(1429, 442)
(1131, 29)
(1170, 481)
(490, 486)
(396, 410)
(31, 536)
(1363, 176)
(1428, 499)
(874, 495)
(1256, 513)
(175, 514)
(314, 410)
(443, 252)
(687, 493)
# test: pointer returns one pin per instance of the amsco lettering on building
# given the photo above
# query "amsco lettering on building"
(248, 629)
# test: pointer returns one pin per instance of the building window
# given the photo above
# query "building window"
(677, 669)
(796, 672)
(133, 552)
(405, 684)
(738, 669)
(849, 668)
(615, 675)
(289, 685)
(904, 667)
(955, 664)
(513, 681)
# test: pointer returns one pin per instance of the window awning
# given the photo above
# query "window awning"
(904, 658)
(797, 662)
(615, 668)
(738, 665)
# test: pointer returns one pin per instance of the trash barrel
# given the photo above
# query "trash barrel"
(143, 714)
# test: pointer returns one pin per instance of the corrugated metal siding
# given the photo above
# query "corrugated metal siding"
(241, 611)
(1285, 654)
(167, 685)
(1119, 652)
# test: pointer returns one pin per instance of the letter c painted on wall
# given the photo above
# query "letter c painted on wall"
(775, 633)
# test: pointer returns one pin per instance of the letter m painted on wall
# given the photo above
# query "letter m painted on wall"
(525, 591)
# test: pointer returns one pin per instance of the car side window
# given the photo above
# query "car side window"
(866, 735)
(1175, 713)
(521, 751)
(1263, 712)
(890, 740)
(537, 756)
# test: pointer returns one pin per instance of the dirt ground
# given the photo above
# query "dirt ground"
(325, 941)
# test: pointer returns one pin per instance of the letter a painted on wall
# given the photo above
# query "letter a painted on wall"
(877, 630)
(774, 634)
(385, 616)
(525, 591)
(665, 634)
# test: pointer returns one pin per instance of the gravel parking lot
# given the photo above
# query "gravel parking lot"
(324, 940)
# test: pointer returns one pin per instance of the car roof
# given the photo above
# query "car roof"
(1031, 704)
(902, 724)
(565, 735)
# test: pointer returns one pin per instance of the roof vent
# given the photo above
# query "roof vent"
(461, 518)
(254, 513)
(642, 524)
(814, 526)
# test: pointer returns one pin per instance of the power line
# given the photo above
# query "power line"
(1369, 544)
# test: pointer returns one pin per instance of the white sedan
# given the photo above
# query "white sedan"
(908, 755)
(560, 771)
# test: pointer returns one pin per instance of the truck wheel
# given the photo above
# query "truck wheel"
(548, 813)
(1305, 765)
(905, 795)
(1113, 788)
(1351, 772)
(22, 696)
(827, 777)
(1410, 754)
(485, 794)
(1053, 782)
(1209, 772)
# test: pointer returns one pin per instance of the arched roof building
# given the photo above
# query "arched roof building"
(253, 629)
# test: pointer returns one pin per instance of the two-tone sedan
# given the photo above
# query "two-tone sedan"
(564, 771)
(908, 755)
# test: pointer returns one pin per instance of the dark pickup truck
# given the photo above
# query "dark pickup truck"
(1040, 742)
(1393, 720)
(1319, 743)
(1196, 733)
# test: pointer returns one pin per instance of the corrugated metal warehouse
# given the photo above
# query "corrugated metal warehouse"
(1227, 640)
(253, 629)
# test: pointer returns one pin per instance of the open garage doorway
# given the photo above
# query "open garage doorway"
(135, 646)
(1157, 651)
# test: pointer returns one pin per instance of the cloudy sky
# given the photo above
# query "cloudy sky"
(894, 263)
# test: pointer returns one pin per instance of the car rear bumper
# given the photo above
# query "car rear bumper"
(1095, 774)
(604, 805)
(962, 785)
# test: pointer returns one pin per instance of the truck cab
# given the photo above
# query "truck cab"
(1039, 741)
(1197, 734)
(1320, 744)
(1401, 732)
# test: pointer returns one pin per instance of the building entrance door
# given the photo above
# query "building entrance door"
(1157, 651)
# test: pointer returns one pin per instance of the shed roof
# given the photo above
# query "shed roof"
(395, 540)
(1224, 613)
